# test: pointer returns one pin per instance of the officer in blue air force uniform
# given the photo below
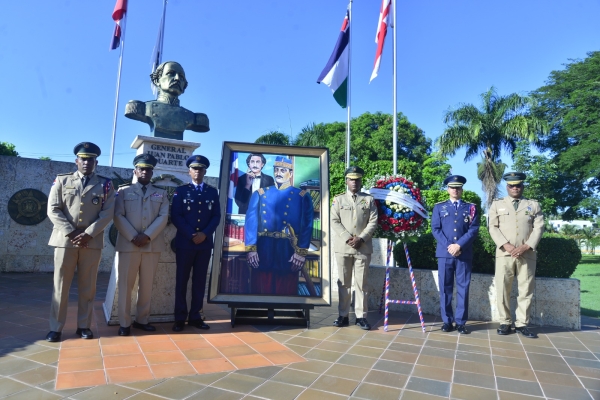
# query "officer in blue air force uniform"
(196, 213)
(454, 224)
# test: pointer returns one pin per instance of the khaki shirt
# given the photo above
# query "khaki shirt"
(525, 225)
(71, 207)
(350, 218)
(136, 212)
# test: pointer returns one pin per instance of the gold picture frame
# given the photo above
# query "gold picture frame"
(275, 222)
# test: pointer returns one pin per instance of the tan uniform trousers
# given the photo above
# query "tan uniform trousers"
(506, 269)
(66, 260)
(357, 264)
(129, 265)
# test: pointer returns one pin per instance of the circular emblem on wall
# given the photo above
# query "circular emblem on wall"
(112, 235)
(28, 207)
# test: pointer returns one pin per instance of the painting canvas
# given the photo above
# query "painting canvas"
(272, 246)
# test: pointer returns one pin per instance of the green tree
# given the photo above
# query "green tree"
(542, 177)
(312, 135)
(497, 125)
(45, 158)
(7, 149)
(590, 237)
(570, 103)
(435, 170)
(371, 139)
(274, 137)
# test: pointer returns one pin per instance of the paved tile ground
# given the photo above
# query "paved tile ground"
(278, 362)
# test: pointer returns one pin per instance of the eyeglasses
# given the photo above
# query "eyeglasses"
(518, 185)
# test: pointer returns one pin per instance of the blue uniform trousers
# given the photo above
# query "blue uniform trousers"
(448, 268)
(188, 260)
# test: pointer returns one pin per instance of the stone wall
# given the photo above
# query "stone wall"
(555, 301)
(24, 248)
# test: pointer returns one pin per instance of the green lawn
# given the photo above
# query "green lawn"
(588, 273)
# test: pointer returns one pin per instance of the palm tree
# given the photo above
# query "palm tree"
(589, 234)
(498, 125)
(312, 135)
(274, 137)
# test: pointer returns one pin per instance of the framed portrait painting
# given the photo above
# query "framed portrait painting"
(272, 246)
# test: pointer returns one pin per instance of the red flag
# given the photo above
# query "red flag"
(385, 20)
(118, 15)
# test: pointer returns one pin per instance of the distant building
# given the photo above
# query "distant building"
(557, 224)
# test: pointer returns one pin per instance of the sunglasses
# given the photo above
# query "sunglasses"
(515, 186)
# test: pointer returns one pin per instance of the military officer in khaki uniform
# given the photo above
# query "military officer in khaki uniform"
(80, 205)
(516, 225)
(141, 214)
(353, 220)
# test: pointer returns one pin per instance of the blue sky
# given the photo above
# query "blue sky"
(252, 66)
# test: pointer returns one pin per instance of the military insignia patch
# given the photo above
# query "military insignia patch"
(96, 200)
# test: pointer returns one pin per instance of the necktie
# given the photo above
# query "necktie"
(85, 180)
(354, 198)
(144, 188)
(516, 204)
(455, 205)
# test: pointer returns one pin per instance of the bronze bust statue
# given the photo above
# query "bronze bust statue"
(167, 119)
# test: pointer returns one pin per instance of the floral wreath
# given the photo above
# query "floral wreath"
(400, 207)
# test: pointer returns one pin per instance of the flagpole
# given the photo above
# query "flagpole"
(114, 131)
(349, 81)
(157, 56)
(395, 129)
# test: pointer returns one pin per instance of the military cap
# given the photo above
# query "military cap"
(455, 181)
(145, 161)
(86, 150)
(354, 172)
(514, 178)
(283, 162)
(197, 161)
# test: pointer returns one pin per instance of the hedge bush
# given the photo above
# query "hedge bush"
(558, 256)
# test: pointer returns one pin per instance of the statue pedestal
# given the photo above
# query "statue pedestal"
(169, 173)
(170, 153)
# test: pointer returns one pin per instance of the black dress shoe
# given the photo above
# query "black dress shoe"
(526, 332)
(447, 327)
(144, 327)
(341, 321)
(178, 326)
(53, 336)
(462, 329)
(124, 331)
(504, 330)
(363, 323)
(198, 323)
(84, 333)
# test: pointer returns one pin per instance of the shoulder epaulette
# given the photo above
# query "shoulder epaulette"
(125, 185)
(338, 195)
(158, 187)
(261, 191)
(302, 193)
(440, 202)
(210, 186)
(68, 173)
(103, 177)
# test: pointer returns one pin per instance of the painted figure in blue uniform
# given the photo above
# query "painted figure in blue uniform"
(278, 231)
(196, 213)
(454, 224)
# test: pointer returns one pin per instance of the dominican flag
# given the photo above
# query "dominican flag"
(385, 20)
(233, 180)
(118, 16)
(335, 74)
